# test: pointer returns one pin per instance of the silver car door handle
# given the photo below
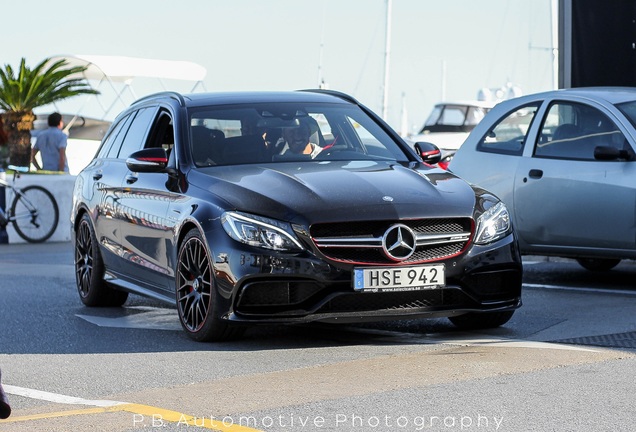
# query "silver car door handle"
(130, 179)
(98, 175)
(535, 173)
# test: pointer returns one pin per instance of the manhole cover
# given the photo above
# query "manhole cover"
(617, 340)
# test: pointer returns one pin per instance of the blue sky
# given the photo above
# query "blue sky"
(279, 44)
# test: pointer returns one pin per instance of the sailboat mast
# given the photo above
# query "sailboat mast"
(387, 53)
(321, 78)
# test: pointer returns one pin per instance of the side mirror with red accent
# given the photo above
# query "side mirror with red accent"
(148, 160)
(429, 152)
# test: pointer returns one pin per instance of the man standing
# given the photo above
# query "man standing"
(51, 144)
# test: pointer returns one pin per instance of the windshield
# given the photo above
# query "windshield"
(278, 132)
(629, 109)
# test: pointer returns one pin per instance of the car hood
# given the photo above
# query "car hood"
(336, 191)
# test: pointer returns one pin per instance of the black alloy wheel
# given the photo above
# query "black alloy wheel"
(196, 293)
(89, 269)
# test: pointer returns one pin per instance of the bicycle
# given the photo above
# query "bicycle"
(33, 212)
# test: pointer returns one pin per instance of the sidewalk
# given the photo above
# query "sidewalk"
(36, 253)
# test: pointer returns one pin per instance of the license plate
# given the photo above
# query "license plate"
(414, 278)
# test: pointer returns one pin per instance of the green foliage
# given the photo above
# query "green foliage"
(46, 83)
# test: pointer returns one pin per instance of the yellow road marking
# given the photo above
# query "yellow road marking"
(14, 419)
(143, 410)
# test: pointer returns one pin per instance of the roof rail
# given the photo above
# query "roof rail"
(336, 93)
(171, 94)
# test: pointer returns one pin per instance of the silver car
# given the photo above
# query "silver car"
(564, 163)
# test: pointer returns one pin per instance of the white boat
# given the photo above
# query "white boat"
(449, 123)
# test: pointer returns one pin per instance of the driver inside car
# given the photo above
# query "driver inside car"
(297, 140)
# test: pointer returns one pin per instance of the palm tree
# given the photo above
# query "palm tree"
(47, 83)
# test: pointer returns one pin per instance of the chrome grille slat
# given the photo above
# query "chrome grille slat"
(376, 242)
(429, 239)
(362, 242)
(350, 242)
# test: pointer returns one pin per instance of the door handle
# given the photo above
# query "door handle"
(130, 179)
(97, 175)
(535, 173)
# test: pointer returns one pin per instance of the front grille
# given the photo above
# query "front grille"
(376, 255)
(361, 242)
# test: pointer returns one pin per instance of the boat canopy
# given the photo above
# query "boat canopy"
(114, 76)
(125, 69)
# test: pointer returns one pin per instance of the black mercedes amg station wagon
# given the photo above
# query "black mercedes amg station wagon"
(285, 207)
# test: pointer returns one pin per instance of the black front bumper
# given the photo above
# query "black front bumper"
(483, 279)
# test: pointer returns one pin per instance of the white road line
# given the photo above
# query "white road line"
(150, 318)
(101, 406)
(57, 398)
(580, 289)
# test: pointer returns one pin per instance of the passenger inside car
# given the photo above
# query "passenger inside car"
(206, 145)
(245, 149)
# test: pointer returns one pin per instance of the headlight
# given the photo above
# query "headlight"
(493, 224)
(260, 232)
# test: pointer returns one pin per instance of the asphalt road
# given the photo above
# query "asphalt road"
(564, 362)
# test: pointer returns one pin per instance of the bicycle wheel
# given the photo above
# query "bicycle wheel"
(34, 214)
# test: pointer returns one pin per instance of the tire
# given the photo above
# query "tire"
(481, 320)
(35, 214)
(89, 270)
(196, 295)
(598, 264)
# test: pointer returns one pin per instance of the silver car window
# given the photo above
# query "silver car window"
(573, 130)
(508, 135)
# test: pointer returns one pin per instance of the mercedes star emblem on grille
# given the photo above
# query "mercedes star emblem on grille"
(398, 242)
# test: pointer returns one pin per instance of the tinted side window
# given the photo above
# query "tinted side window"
(114, 149)
(136, 135)
(162, 132)
(107, 145)
(574, 130)
(508, 135)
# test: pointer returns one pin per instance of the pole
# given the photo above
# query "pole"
(4, 237)
(387, 49)
(321, 79)
(554, 16)
(443, 97)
